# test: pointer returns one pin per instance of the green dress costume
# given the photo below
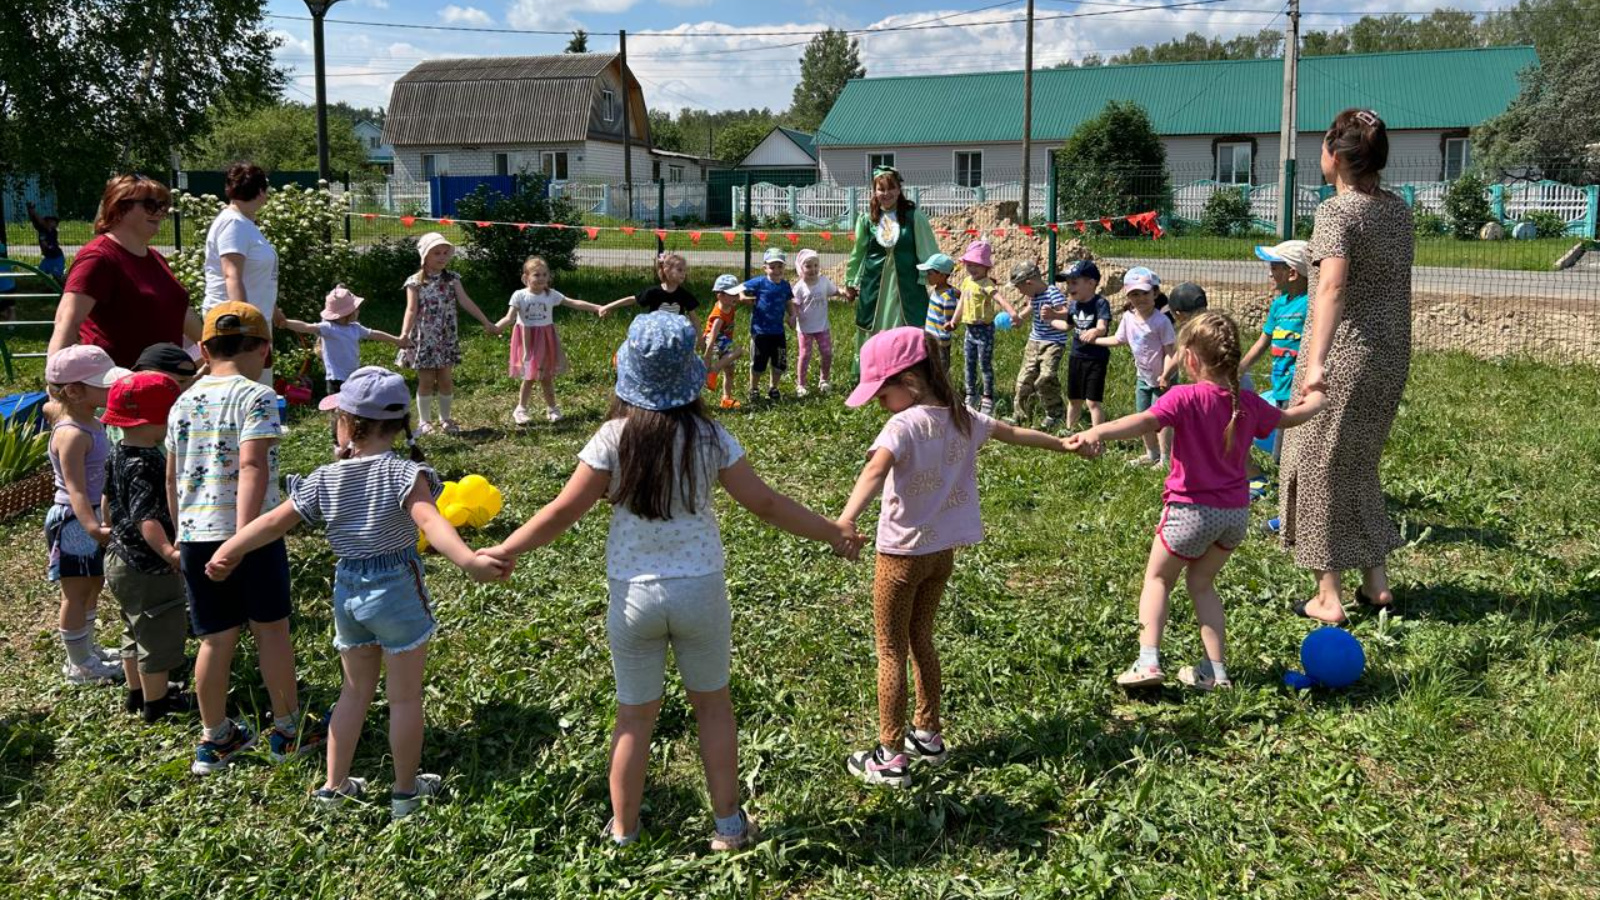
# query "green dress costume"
(883, 268)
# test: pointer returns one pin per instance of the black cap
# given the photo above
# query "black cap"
(168, 358)
(1187, 298)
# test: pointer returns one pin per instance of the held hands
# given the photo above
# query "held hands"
(486, 567)
(404, 343)
(101, 532)
(1315, 381)
(1086, 444)
(172, 557)
(220, 567)
(848, 542)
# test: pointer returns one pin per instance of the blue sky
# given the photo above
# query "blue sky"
(700, 62)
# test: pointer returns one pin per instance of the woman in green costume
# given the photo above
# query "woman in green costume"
(882, 278)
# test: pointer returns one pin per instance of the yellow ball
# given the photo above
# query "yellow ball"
(455, 514)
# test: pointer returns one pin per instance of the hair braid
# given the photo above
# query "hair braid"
(1213, 337)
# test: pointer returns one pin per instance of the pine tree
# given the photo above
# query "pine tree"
(832, 58)
(579, 42)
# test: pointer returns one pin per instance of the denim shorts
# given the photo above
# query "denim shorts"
(1145, 395)
(73, 553)
(381, 600)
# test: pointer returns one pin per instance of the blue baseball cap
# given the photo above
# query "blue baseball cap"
(938, 262)
(728, 284)
(774, 254)
(657, 366)
(1083, 268)
(371, 392)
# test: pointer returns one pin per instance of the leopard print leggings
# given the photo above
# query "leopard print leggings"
(905, 595)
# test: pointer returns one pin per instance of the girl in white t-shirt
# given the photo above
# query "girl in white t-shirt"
(811, 295)
(664, 559)
(536, 353)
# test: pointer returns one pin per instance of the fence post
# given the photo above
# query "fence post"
(849, 219)
(1049, 211)
(1591, 211)
(605, 199)
(794, 205)
(980, 195)
(1497, 201)
(661, 214)
(1408, 193)
(748, 225)
(916, 194)
(1286, 203)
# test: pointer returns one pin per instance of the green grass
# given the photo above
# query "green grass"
(1465, 764)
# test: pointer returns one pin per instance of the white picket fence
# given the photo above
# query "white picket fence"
(1513, 201)
(833, 206)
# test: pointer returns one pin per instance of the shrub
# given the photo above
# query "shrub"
(1303, 226)
(1466, 206)
(500, 250)
(1428, 224)
(1227, 212)
(781, 221)
(1549, 223)
(1113, 164)
(381, 269)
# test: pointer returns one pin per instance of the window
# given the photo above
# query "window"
(1457, 157)
(655, 170)
(674, 173)
(969, 168)
(1233, 163)
(874, 160)
(502, 164)
(372, 142)
(553, 163)
(435, 164)
(608, 106)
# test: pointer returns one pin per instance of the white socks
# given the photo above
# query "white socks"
(444, 405)
(424, 408)
(80, 644)
(1149, 657)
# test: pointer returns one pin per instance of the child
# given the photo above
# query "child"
(811, 295)
(340, 335)
(1154, 343)
(1186, 301)
(1290, 264)
(222, 471)
(142, 565)
(372, 503)
(172, 361)
(1207, 496)
(77, 378)
(978, 299)
(672, 270)
(536, 353)
(1091, 319)
(718, 349)
(1041, 356)
(769, 345)
(944, 304)
(53, 261)
(925, 463)
(664, 559)
(430, 324)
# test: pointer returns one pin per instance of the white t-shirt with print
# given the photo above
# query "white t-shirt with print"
(205, 430)
(811, 300)
(231, 232)
(536, 309)
(684, 546)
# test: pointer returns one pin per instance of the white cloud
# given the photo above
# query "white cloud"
(464, 15)
(558, 14)
(373, 4)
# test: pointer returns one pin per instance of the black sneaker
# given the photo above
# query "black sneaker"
(170, 703)
(873, 767)
(772, 394)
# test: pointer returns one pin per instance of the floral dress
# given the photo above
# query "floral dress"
(433, 331)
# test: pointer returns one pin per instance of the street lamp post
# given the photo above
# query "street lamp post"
(319, 8)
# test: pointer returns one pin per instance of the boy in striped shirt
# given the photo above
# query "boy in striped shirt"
(944, 303)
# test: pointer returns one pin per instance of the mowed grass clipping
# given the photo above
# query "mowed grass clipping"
(1466, 763)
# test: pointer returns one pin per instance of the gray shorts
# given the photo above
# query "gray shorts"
(690, 613)
(155, 615)
(1188, 530)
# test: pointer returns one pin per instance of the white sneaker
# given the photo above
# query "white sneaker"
(449, 426)
(553, 414)
(109, 654)
(428, 786)
(824, 386)
(93, 671)
(422, 429)
(801, 391)
(1143, 461)
(520, 416)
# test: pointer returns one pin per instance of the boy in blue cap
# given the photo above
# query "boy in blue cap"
(1090, 314)
(769, 340)
(944, 303)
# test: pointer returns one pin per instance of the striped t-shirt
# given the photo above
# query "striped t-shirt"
(942, 305)
(1048, 304)
(362, 502)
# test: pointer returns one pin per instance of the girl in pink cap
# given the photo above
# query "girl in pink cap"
(978, 301)
(339, 336)
(811, 295)
(924, 462)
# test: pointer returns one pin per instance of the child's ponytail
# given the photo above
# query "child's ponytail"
(360, 427)
(1213, 337)
(417, 456)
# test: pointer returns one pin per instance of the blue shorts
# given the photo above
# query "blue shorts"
(55, 267)
(381, 600)
(73, 553)
(257, 591)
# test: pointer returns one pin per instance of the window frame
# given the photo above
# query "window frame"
(955, 168)
(440, 165)
(1466, 157)
(880, 154)
(504, 161)
(674, 174)
(551, 164)
(1231, 148)
(608, 105)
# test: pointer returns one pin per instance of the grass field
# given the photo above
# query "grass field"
(1465, 764)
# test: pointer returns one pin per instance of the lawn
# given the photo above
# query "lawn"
(1535, 255)
(1465, 764)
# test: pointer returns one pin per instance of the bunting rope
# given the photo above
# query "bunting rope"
(1146, 223)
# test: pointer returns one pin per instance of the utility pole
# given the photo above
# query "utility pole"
(1289, 130)
(1027, 118)
(627, 130)
(319, 9)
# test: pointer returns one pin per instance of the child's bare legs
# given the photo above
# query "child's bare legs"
(276, 658)
(1165, 443)
(1160, 574)
(1152, 447)
(548, 386)
(1201, 581)
(719, 748)
(524, 393)
(404, 689)
(1074, 411)
(212, 666)
(1097, 414)
(78, 597)
(630, 758)
(361, 668)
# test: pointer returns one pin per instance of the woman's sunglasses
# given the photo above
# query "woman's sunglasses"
(151, 205)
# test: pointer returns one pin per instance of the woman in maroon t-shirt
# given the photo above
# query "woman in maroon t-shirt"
(120, 294)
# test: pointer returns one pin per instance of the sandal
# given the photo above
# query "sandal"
(1363, 600)
(1299, 609)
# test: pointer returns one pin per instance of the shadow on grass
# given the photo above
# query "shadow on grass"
(1567, 609)
(502, 739)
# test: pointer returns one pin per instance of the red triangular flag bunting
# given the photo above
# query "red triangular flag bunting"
(828, 235)
(522, 226)
(972, 232)
(483, 224)
(408, 221)
(447, 221)
(369, 216)
(760, 236)
(1026, 229)
(557, 226)
(694, 237)
(1055, 228)
(728, 236)
(1082, 228)
(794, 239)
(593, 232)
(999, 232)
(1106, 223)
(628, 230)
(943, 232)
(661, 234)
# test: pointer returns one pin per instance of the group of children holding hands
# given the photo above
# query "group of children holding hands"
(181, 510)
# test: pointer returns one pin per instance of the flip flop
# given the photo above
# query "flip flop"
(1299, 609)
(1363, 600)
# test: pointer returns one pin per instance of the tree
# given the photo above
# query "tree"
(831, 59)
(1466, 206)
(281, 138)
(87, 86)
(353, 114)
(1112, 165)
(735, 142)
(1552, 129)
(579, 42)
(665, 133)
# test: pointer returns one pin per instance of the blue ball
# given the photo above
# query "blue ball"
(1003, 321)
(1332, 657)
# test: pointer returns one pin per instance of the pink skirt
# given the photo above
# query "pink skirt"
(536, 353)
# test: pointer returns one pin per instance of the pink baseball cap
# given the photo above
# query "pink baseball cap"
(339, 303)
(82, 364)
(885, 355)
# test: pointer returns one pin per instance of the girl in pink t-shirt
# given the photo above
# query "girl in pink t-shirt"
(925, 463)
(1207, 497)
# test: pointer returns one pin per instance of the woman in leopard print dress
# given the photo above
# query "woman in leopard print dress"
(1358, 348)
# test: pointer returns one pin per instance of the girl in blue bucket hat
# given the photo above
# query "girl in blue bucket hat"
(664, 559)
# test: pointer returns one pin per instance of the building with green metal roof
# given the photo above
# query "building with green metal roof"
(1219, 120)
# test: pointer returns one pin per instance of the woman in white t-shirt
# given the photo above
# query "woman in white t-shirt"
(241, 264)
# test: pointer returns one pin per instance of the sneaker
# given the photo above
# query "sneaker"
(552, 415)
(800, 391)
(1138, 676)
(93, 671)
(1258, 487)
(987, 406)
(1050, 424)
(871, 766)
(172, 702)
(520, 416)
(1199, 678)
(1273, 525)
(449, 426)
(608, 834)
(723, 843)
(428, 786)
(213, 755)
(109, 654)
(755, 397)
(310, 737)
(352, 789)
(824, 386)
(730, 403)
(772, 394)
(1144, 461)
(931, 752)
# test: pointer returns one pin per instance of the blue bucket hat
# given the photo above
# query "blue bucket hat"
(657, 367)
(938, 262)
(728, 284)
